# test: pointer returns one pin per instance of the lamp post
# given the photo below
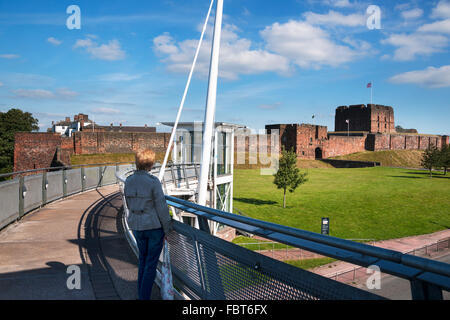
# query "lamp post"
(348, 127)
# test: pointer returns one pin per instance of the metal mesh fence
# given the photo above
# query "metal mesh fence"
(214, 269)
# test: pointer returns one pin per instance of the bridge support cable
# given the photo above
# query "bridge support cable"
(174, 129)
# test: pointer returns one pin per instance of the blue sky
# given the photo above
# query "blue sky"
(280, 63)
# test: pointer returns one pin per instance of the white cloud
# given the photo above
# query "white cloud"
(106, 111)
(309, 46)
(334, 18)
(442, 26)
(442, 10)
(337, 3)
(1, 84)
(272, 106)
(116, 77)
(412, 14)
(54, 41)
(409, 46)
(9, 56)
(431, 77)
(34, 94)
(62, 93)
(66, 93)
(109, 52)
(236, 55)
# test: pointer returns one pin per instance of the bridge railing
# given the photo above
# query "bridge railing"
(29, 190)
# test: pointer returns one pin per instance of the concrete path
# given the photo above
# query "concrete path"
(84, 230)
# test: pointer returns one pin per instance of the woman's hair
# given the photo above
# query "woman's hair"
(145, 160)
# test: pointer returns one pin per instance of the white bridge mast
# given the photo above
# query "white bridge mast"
(208, 125)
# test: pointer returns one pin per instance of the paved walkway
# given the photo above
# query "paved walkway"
(84, 230)
(404, 245)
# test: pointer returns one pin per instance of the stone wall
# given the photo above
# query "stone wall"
(44, 150)
(35, 150)
(371, 118)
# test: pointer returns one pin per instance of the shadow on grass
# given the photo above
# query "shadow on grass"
(423, 175)
(427, 173)
(441, 225)
(257, 202)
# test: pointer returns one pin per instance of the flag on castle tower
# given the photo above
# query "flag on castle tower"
(369, 85)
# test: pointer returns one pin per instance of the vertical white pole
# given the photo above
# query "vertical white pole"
(208, 125)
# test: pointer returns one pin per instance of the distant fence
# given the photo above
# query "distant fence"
(358, 272)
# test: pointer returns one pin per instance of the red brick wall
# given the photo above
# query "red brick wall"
(341, 145)
(119, 142)
(405, 142)
(35, 150)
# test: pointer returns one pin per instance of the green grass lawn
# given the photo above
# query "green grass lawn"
(370, 203)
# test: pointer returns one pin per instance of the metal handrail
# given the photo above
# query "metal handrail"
(63, 168)
(381, 253)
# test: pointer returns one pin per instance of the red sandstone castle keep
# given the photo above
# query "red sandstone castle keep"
(358, 128)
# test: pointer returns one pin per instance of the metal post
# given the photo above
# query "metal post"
(64, 182)
(21, 198)
(44, 188)
(83, 179)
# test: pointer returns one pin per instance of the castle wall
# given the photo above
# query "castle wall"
(35, 150)
(403, 142)
(342, 145)
(119, 142)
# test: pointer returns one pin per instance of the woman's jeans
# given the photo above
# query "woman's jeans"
(150, 244)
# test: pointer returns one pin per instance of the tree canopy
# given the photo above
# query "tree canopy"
(12, 121)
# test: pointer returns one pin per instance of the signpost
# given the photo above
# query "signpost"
(326, 226)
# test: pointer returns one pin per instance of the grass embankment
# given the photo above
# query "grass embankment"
(370, 203)
(390, 158)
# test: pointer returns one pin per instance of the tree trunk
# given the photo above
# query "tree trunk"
(284, 199)
(431, 173)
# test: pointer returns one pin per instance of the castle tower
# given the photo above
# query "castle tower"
(371, 118)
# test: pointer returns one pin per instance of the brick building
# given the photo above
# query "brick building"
(357, 128)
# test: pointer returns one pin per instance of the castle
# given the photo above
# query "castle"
(358, 128)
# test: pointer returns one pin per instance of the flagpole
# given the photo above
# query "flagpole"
(371, 93)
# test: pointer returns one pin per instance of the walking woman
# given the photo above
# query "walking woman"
(148, 217)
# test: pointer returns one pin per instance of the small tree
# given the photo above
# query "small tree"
(431, 159)
(444, 158)
(288, 176)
